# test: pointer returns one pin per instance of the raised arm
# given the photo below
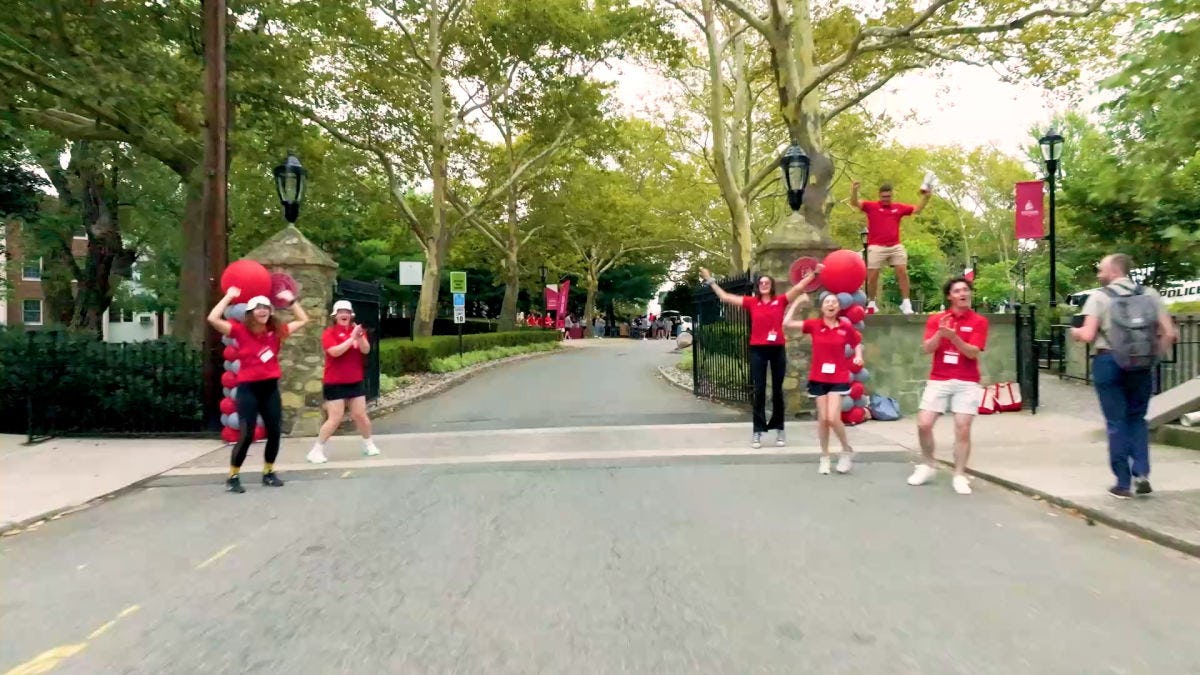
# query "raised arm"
(297, 310)
(797, 289)
(925, 197)
(216, 317)
(722, 295)
(854, 195)
(788, 322)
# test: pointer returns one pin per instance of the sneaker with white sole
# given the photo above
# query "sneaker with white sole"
(317, 455)
(369, 449)
(961, 485)
(906, 306)
(780, 438)
(756, 441)
(872, 307)
(921, 474)
(823, 467)
(845, 462)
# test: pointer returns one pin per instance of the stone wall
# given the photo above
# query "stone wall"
(899, 367)
(301, 359)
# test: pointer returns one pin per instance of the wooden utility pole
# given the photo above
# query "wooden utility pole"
(216, 169)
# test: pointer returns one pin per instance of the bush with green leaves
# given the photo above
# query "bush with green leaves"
(450, 364)
(399, 355)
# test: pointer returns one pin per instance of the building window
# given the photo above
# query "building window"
(31, 312)
(32, 271)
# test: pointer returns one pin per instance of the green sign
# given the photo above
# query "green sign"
(458, 282)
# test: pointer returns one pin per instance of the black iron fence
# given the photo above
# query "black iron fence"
(721, 343)
(365, 297)
(1027, 356)
(55, 383)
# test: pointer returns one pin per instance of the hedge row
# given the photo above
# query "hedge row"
(398, 355)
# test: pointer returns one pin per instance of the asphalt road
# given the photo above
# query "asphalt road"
(723, 568)
(610, 382)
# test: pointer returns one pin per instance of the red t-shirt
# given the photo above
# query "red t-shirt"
(948, 363)
(883, 223)
(344, 369)
(829, 361)
(766, 319)
(258, 353)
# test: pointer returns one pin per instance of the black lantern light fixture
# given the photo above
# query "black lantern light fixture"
(543, 271)
(1052, 147)
(862, 236)
(290, 180)
(794, 164)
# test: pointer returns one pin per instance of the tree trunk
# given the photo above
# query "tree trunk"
(593, 287)
(512, 268)
(438, 237)
(512, 291)
(106, 252)
(189, 324)
(427, 304)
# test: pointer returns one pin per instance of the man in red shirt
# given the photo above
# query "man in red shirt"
(956, 338)
(883, 239)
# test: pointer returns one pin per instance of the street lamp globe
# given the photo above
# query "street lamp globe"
(1052, 146)
(794, 164)
(290, 180)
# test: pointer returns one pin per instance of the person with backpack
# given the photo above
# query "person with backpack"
(1130, 328)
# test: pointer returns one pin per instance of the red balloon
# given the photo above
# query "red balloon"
(801, 267)
(282, 282)
(856, 313)
(856, 390)
(854, 416)
(855, 368)
(249, 276)
(229, 435)
(230, 353)
(228, 380)
(260, 433)
(228, 406)
(844, 271)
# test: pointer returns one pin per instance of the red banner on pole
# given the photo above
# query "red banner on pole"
(551, 297)
(564, 292)
(1030, 209)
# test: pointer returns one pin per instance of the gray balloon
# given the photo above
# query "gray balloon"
(228, 392)
(849, 351)
(821, 296)
(224, 420)
(233, 366)
(845, 300)
(862, 375)
(233, 393)
(862, 402)
(260, 422)
(236, 312)
(860, 298)
(860, 326)
(228, 341)
(233, 420)
(847, 404)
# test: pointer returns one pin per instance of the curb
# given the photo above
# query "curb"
(1091, 514)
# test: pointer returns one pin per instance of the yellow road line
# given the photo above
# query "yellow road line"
(49, 659)
(217, 556)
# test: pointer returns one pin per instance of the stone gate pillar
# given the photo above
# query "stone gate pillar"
(791, 238)
(303, 364)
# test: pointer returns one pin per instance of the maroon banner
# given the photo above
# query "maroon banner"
(564, 292)
(1030, 209)
(551, 297)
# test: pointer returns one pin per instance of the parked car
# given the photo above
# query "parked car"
(685, 324)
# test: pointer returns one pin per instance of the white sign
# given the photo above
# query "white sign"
(460, 314)
(411, 273)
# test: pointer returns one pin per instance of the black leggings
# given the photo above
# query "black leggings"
(762, 356)
(254, 399)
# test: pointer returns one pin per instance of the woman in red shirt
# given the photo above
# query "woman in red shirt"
(345, 344)
(766, 311)
(258, 338)
(829, 374)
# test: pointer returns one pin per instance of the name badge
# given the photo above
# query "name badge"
(772, 336)
(950, 357)
(266, 355)
(967, 329)
(828, 368)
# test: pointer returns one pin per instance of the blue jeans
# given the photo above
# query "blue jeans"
(1124, 396)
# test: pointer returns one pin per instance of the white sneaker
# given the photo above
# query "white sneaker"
(823, 467)
(906, 306)
(961, 485)
(845, 462)
(921, 474)
(756, 441)
(317, 455)
(369, 449)
(780, 438)
(872, 307)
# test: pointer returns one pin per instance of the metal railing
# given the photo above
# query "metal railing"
(1028, 359)
(721, 344)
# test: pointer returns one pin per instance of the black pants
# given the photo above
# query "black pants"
(254, 399)
(762, 356)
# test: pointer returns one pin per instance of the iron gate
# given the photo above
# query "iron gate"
(1027, 356)
(721, 343)
(365, 297)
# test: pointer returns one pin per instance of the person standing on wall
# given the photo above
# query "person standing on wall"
(1130, 327)
(260, 335)
(346, 345)
(883, 240)
(766, 310)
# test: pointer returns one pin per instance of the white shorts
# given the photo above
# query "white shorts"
(956, 396)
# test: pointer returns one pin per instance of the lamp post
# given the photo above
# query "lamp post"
(794, 164)
(290, 181)
(1052, 145)
(974, 277)
(862, 236)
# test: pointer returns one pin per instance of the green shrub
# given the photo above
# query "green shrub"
(685, 361)
(1184, 308)
(452, 363)
(399, 355)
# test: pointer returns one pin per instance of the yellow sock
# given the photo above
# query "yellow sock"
(234, 470)
(268, 467)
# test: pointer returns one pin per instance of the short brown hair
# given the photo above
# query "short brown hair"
(1122, 262)
(885, 187)
(949, 285)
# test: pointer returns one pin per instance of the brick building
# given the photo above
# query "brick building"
(25, 300)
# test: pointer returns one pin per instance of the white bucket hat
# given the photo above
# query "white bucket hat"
(258, 300)
(340, 305)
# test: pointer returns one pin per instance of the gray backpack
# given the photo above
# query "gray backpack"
(1133, 338)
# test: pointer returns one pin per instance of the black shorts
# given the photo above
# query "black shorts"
(823, 388)
(338, 392)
